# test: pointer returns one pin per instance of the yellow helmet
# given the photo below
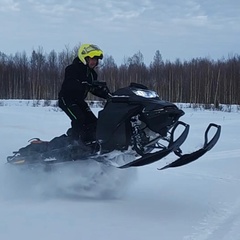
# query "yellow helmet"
(89, 50)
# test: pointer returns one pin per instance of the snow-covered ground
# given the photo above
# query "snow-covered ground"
(200, 201)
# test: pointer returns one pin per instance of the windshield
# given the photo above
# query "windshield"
(145, 93)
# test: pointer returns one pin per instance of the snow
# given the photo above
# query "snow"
(199, 201)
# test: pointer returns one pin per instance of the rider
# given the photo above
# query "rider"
(81, 78)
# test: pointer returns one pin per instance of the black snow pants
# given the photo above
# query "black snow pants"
(83, 120)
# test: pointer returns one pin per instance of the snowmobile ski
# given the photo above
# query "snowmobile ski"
(208, 145)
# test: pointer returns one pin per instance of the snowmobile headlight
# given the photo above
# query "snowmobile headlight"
(145, 93)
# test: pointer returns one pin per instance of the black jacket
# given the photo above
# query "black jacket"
(78, 81)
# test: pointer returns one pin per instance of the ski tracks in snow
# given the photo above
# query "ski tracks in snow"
(222, 223)
(235, 153)
(222, 218)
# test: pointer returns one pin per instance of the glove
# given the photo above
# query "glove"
(100, 89)
(105, 90)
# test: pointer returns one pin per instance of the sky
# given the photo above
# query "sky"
(87, 200)
(179, 29)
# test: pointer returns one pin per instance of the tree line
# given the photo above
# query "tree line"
(200, 80)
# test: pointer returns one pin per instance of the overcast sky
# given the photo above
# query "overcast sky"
(183, 29)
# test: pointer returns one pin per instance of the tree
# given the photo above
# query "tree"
(156, 73)
(199, 80)
(108, 71)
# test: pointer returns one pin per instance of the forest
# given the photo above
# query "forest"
(197, 81)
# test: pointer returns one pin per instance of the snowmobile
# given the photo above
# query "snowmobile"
(135, 123)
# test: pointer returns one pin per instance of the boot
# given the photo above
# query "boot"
(88, 135)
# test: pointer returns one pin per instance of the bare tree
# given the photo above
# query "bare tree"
(199, 80)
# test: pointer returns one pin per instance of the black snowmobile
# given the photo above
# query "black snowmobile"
(134, 122)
